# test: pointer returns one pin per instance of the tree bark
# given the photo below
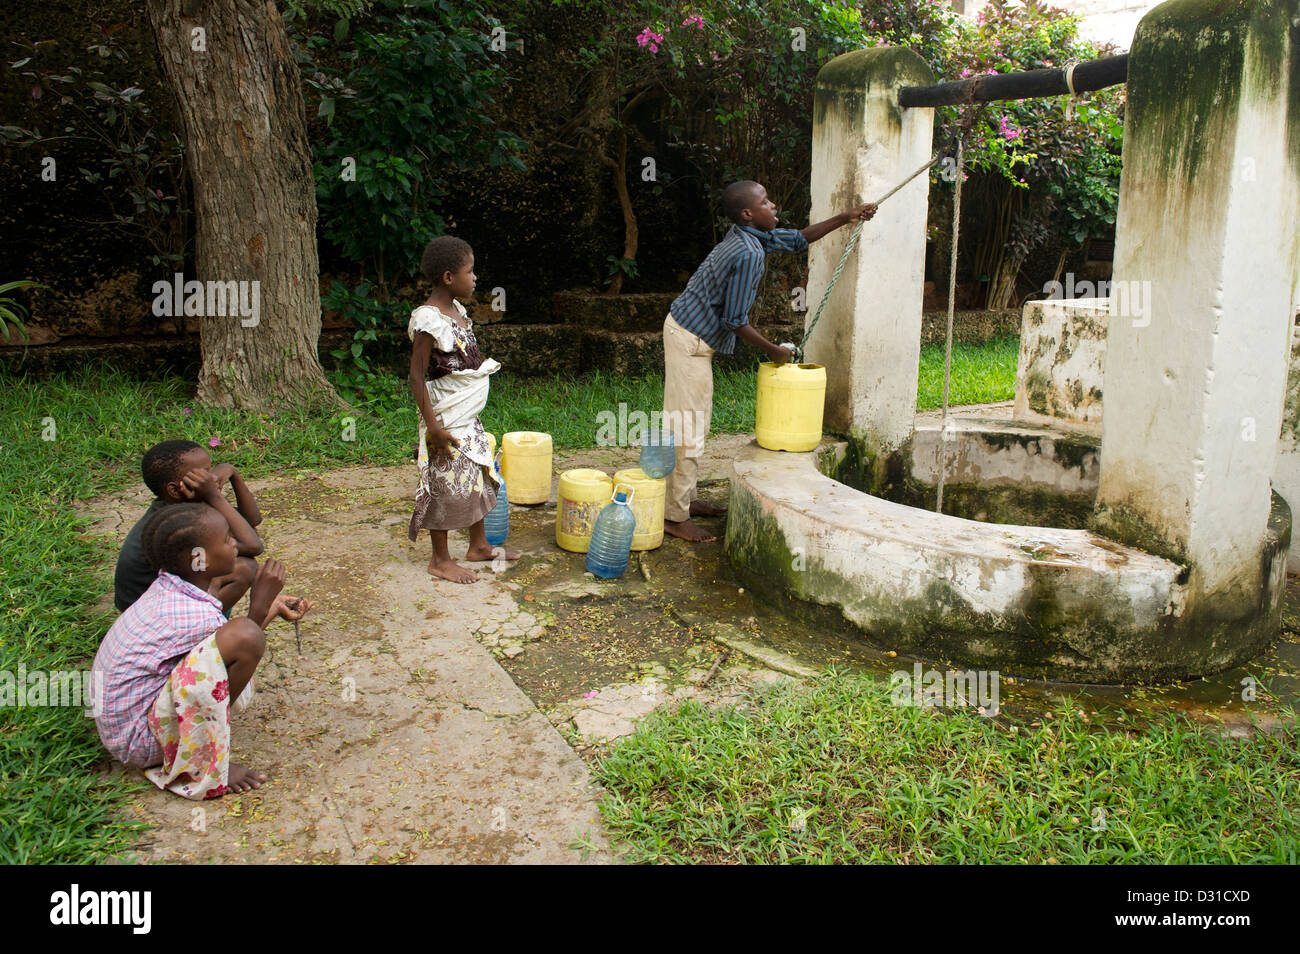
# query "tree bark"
(238, 91)
(631, 233)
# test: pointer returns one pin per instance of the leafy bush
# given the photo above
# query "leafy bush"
(1039, 176)
(140, 154)
(403, 93)
(11, 311)
(362, 369)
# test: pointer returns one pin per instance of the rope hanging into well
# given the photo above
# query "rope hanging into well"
(952, 279)
(952, 301)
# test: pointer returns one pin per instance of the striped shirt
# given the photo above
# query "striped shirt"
(137, 657)
(717, 299)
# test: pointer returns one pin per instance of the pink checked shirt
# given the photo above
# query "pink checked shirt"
(137, 657)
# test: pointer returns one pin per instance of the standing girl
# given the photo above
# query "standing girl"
(449, 381)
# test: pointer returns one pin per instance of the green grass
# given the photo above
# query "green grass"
(981, 373)
(54, 807)
(831, 772)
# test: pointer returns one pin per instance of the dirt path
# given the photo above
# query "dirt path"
(396, 736)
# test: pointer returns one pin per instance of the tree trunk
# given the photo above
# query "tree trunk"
(240, 97)
(631, 233)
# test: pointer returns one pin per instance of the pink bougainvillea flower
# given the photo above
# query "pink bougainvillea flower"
(696, 19)
(213, 442)
(1008, 131)
(591, 695)
(715, 55)
(650, 38)
(965, 73)
(187, 412)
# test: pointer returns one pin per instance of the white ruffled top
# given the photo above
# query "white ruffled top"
(434, 322)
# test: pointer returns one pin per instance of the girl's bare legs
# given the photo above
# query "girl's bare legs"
(442, 565)
(480, 549)
(241, 643)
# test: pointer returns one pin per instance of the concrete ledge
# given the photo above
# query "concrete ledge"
(1039, 601)
(1061, 363)
(1005, 454)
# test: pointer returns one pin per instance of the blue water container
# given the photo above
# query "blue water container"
(658, 453)
(611, 539)
(496, 522)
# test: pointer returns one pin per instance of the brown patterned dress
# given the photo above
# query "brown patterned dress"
(454, 494)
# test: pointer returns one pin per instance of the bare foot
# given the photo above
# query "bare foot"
(489, 552)
(700, 508)
(688, 531)
(243, 779)
(451, 570)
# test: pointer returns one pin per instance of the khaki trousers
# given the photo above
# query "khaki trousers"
(688, 411)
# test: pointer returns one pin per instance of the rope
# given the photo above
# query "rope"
(848, 250)
(1069, 82)
(952, 301)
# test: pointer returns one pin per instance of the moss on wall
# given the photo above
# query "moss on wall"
(1067, 625)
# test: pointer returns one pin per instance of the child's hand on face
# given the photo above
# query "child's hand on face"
(200, 484)
(223, 473)
(266, 589)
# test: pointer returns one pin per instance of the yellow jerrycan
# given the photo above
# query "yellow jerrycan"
(492, 444)
(582, 495)
(526, 466)
(647, 505)
(791, 399)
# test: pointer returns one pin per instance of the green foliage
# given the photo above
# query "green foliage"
(378, 336)
(403, 93)
(140, 157)
(626, 266)
(832, 773)
(686, 77)
(11, 310)
(1039, 178)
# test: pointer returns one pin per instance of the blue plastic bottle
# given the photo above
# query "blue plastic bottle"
(496, 522)
(658, 453)
(611, 539)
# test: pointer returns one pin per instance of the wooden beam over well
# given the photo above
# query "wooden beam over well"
(1089, 76)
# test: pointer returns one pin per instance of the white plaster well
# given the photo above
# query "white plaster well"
(1164, 553)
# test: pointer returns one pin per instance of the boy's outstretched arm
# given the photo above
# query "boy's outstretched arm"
(750, 335)
(202, 485)
(813, 232)
(244, 500)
